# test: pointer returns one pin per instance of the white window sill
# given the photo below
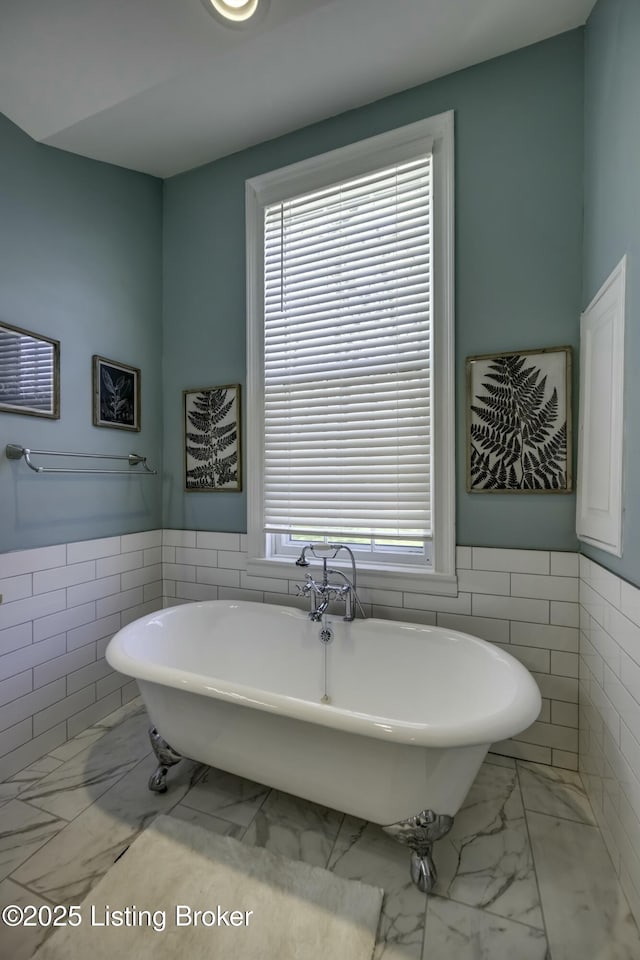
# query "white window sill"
(413, 579)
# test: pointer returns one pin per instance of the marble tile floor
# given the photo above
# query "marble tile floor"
(523, 875)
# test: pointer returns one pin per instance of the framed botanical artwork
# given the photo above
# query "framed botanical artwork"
(519, 422)
(212, 439)
(29, 373)
(116, 394)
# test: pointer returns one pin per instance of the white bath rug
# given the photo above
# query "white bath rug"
(253, 905)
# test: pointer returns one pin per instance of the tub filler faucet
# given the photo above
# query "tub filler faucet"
(322, 593)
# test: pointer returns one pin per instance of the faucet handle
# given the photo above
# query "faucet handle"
(303, 590)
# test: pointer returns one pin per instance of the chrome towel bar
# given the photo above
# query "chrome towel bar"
(16, 452)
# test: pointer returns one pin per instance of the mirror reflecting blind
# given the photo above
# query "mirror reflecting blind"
(28, 373)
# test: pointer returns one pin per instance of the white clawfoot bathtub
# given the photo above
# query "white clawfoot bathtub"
(411, 714)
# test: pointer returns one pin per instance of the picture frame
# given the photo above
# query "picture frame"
(212, 439)
(29, 373)
(519, 436)
(116, 394)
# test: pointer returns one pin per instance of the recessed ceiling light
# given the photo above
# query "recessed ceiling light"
(235, 10)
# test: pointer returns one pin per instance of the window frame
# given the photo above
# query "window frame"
(384, 149)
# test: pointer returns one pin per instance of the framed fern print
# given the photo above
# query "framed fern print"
(212, 439)
(519, 422)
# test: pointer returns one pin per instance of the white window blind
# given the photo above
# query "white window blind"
(26, 371)
(347, 357)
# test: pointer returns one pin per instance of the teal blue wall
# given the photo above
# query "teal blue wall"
(80, 261)
(519, 193)
(612, 218)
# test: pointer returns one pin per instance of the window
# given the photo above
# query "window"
(350, 410)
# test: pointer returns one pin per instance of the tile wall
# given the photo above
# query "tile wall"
(524, 600)
(610, 715)
(60, 606)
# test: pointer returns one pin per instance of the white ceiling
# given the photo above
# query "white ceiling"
(161, 86)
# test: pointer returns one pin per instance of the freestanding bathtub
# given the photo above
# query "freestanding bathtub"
(384, 720)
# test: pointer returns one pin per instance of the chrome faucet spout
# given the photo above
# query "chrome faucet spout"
(318, 612)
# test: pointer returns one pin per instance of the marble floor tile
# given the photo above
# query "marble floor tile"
(294, 828)
(214, 824)
(23, 830)
(486, 905)
(78, 782)
(95, 732)
(227, 796)
(135, 706)
(69, 865)
(499, 761)
(457, 932)
(485, 861)
(9, 789)
(20, 943)
(363, 852)
(586, 912)
(556, 792)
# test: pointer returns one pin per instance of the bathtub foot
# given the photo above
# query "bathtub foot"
(419, 833)
(166, 757)
(423, 871)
